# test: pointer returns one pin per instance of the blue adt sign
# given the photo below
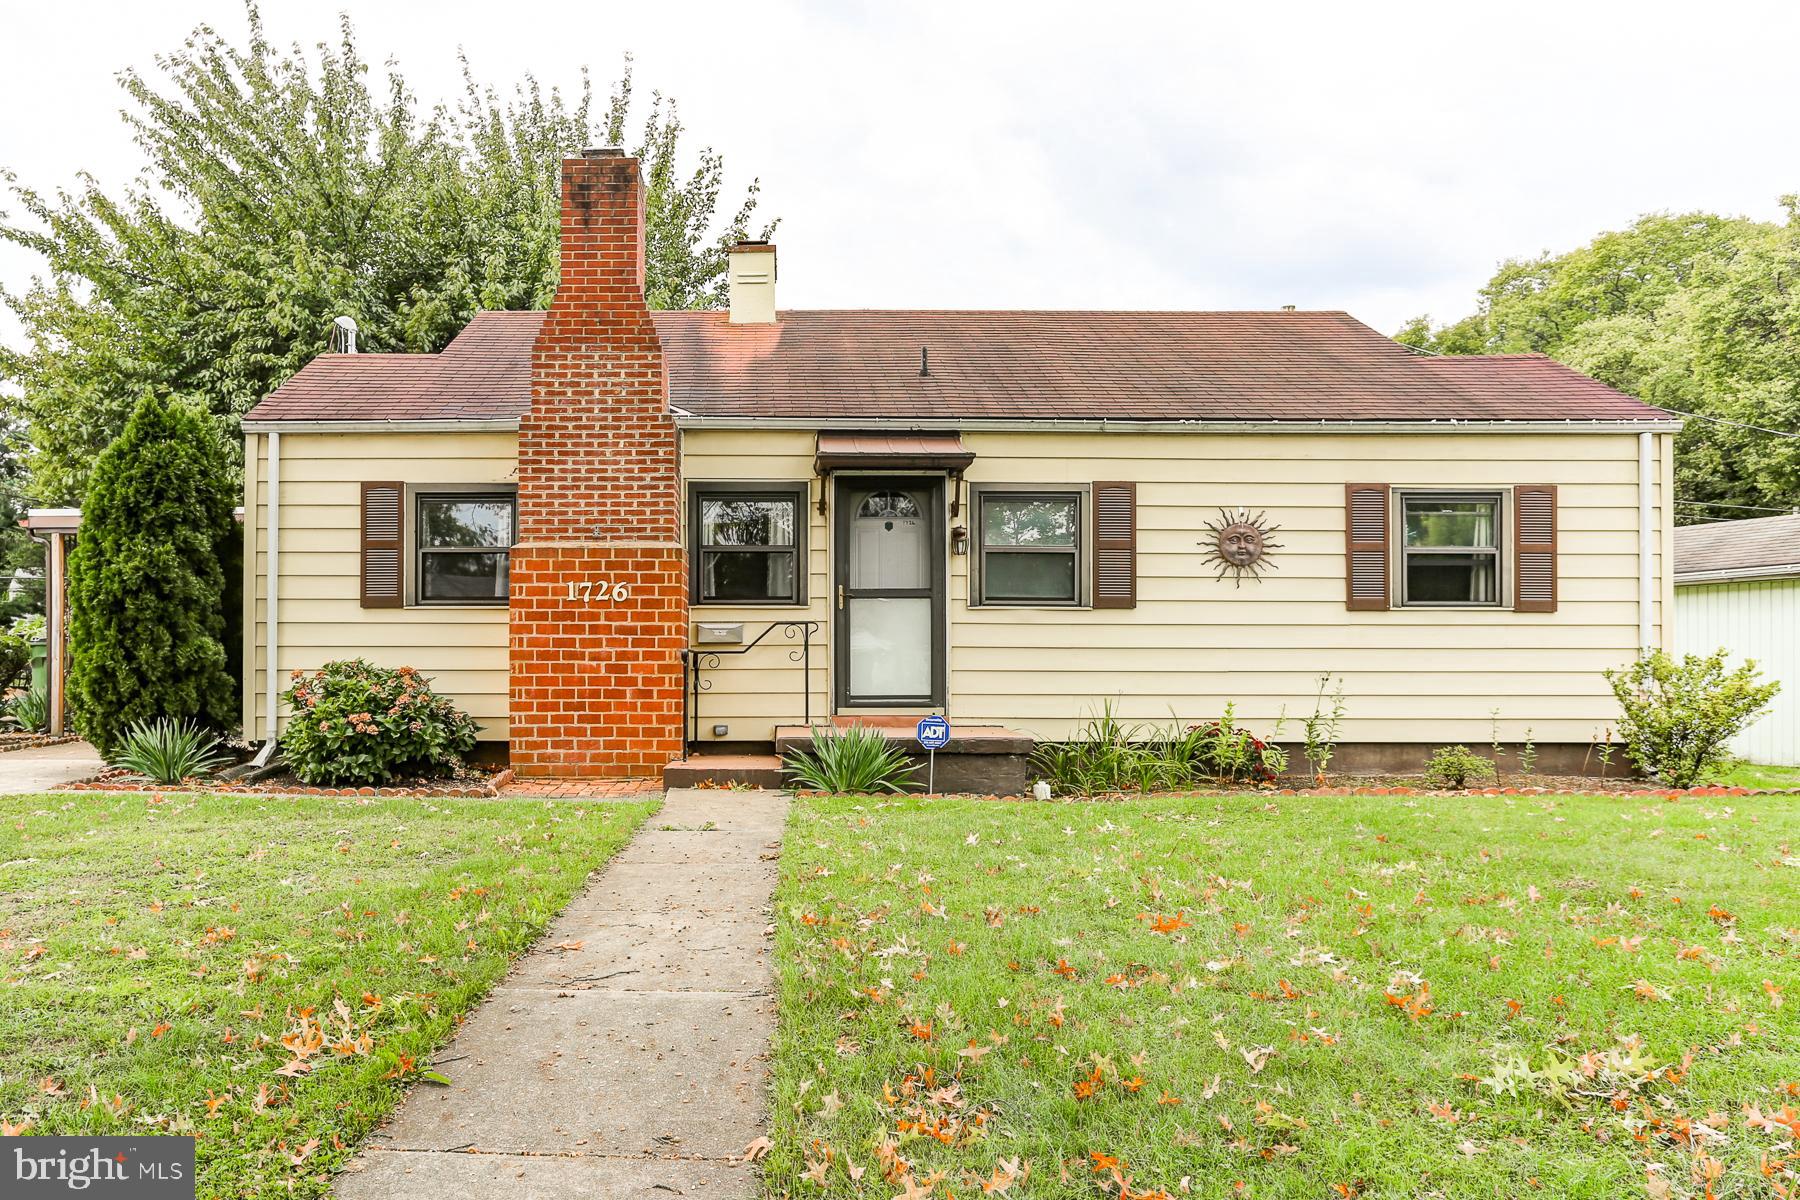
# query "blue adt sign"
(934, 733)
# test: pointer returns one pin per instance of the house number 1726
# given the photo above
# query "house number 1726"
(598, 591)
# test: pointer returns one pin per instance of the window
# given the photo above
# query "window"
(1451, 548)
(464, 546)
(1029, 546)
(749, 543)
(890, 505)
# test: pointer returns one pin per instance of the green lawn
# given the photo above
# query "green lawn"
(1752, 775)
(267, 974)
(1306, 997)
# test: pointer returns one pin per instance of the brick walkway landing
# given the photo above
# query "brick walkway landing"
(632, 1067)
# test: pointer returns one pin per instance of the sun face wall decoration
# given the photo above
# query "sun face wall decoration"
(1240, 544)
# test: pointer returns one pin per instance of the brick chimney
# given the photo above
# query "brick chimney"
(599, 577)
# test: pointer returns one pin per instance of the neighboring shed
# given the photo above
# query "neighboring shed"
(1737, 585)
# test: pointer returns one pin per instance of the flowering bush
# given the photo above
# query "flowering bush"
(1681, 714)
(352, 722)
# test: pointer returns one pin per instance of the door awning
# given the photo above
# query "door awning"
(898, 451)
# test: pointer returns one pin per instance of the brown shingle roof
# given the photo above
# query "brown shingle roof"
(484, 373)
(1755, 546)
(845, 366)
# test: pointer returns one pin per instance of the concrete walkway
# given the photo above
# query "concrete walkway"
(633, 1066)
(46, 768)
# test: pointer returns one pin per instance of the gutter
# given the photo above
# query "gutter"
(1732, 574)
(474, 425)
(1027, 425)
(686, 420)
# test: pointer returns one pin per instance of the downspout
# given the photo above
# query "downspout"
(273, 586)
(1646, 546)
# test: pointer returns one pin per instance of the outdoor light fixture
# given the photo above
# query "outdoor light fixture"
(959, 539)
(721, 730)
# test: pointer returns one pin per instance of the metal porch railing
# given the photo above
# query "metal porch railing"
(696, 661)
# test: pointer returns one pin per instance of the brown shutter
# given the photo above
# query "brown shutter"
(1115, 545)
(1366, 546)
(381, 545)
(1534, 548)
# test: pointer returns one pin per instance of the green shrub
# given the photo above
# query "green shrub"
(32, 627)
(354, 723)
(1457, 767)
(15, 660)
(30, 710)
(850, 761)
(1679, 716)
(169, 751)
(146, 606)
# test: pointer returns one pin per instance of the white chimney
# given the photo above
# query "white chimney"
(751, 276)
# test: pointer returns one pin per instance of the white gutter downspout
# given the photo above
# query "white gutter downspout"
(274, 601)
(1646, 584)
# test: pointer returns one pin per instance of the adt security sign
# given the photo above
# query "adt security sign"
(934, 733)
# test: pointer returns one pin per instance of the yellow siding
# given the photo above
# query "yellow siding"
(1193, 642)
(753, 692)
(321, 617)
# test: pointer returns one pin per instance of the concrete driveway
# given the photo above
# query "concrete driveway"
(46, 768)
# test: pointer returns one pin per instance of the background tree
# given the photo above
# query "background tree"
(146, 589)
(280, 191)
(18, 552)
(1694, 312)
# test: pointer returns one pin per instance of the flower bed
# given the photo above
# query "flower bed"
(467, 785)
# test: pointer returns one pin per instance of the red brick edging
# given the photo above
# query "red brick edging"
(31, 741)
(488, 789)
(1664, 793)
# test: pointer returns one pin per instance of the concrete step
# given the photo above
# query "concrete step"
(755, 770)
(964, 739)
(982, 759)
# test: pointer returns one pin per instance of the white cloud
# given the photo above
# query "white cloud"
(1379, 159)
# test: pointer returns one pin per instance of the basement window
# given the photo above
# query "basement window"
(749, 543)
(464, 546)
(1451, 549)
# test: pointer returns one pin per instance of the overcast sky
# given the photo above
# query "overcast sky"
(1376, 158)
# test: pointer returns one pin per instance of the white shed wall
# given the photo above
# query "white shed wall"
(1757, 619)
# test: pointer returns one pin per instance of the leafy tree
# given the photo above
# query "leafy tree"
(17, 549)
(146, 589)
(280, 191)
(1693, 312)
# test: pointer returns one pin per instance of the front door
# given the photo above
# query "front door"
(890, 591)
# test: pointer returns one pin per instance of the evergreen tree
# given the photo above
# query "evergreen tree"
(146, 589)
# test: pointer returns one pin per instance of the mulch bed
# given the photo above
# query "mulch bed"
(581, 789)
(14, 740)
(468, 784)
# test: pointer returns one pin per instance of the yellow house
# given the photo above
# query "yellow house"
(620, 538)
